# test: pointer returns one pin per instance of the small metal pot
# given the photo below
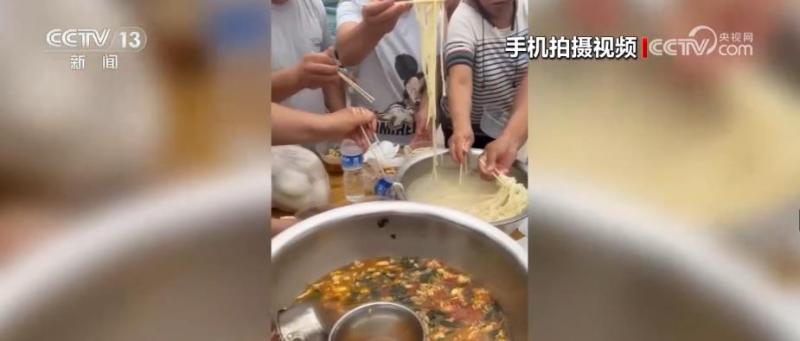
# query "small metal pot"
(379, 321)
(330, 240)
(421, 164)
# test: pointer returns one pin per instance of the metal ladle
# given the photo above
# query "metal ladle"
(379, 321)
(307, 321)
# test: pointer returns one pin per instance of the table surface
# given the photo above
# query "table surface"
(338, 198)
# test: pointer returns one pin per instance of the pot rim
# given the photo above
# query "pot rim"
(486, 230)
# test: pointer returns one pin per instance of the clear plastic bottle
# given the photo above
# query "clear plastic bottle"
(383, 188)
(352, 167)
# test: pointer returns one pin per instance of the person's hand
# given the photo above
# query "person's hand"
(422, 131)
(348, 122)
(497, 158)
(317, 69)
(279, 225)
(421, 140)
(382, 15)
(460, 143)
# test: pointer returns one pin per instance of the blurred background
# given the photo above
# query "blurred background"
(134, 200)
(191, 105)
(711, 142)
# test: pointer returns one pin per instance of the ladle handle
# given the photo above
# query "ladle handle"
(281, 335)
(277, 335)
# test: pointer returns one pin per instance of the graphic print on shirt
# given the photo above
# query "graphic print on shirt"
(398, 118)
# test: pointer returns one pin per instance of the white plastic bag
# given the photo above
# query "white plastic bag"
(299, 179)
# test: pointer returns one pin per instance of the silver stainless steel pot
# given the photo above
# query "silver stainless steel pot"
(421, 164)
(327, 241)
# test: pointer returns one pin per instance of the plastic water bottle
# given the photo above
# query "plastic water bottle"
(383, 188)
(352, 167)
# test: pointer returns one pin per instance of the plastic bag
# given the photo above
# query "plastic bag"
(299, 179)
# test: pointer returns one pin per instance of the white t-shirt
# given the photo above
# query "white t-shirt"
(299, 27)
(392, 73)
(475, 42)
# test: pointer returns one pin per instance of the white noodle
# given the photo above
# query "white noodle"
(489, 201)
(503, 199)
(427, 15)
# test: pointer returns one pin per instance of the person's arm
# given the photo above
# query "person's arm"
(281, 224)
(316, 70)
(285, 83)
(362, 27)
(290, 126)
(500, 154)
(517, 127)
(422, 131)
(460, 60)
(459, 102)
(334, 96)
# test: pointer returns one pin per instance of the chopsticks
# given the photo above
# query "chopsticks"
(377, 155)
(377, 142)
(351, 82)
(356, 87)
(397, 187)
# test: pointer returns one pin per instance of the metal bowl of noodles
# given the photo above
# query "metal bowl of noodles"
(420, 164)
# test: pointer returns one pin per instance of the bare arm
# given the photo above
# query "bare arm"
(334, 96)
(290, 126)
(422, 132)
(459, 102)
(459, 95)
(517, 127)
(356, 40)
(285, 83)
(500, 154)
(279, 225)
(421, 115)
(315, 70)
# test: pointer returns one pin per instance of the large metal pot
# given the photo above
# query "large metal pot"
(322, 243)
(421, 164)
(607, 270)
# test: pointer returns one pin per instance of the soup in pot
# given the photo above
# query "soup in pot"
(449, 302)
